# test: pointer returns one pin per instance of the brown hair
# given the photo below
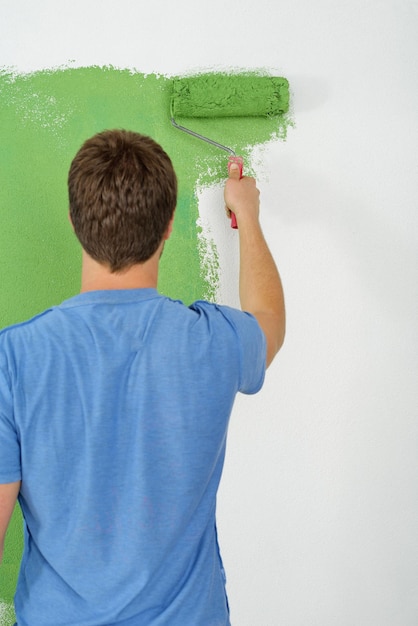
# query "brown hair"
(122, 192)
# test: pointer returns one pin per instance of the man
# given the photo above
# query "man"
(114, 407)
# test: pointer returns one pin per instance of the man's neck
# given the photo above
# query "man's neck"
(97, 277)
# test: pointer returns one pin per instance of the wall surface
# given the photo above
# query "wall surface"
(318, 509)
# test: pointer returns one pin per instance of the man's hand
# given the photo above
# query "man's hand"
(241, 195)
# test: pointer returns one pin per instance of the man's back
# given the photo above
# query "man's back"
(114, 406)
(119, 405)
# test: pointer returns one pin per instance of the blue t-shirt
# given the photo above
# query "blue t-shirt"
(114, 409)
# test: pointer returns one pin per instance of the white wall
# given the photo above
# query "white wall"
(318, 511)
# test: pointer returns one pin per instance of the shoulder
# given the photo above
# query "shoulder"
(15, 328)
(226, 315)
(17, 338)
(239, 327)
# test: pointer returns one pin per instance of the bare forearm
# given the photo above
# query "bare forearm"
(259, 281)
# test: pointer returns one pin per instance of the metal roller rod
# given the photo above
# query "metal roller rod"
(194, 134)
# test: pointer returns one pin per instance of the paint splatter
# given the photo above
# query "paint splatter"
(7, 615)
(46, 116)
(209, 262)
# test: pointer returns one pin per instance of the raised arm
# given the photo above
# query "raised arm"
(260, 287)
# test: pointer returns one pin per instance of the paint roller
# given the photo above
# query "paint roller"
(227, 96)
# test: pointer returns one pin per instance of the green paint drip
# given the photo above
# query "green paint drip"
(45, 117)
(226, 95)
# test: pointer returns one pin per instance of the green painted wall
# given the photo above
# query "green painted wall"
(45, 117)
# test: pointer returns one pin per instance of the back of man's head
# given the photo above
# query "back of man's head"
(122, 192)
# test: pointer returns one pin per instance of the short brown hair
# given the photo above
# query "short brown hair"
(122, 192)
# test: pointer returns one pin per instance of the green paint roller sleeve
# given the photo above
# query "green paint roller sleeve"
(230, 95)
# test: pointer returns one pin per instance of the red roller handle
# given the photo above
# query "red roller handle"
(240, 162)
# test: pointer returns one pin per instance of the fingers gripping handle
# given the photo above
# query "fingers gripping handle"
(240, 162)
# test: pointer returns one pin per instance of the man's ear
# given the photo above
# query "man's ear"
(169, 229)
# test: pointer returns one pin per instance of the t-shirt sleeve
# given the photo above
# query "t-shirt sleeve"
(10, 469)
(253, 348)
(249, 343)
